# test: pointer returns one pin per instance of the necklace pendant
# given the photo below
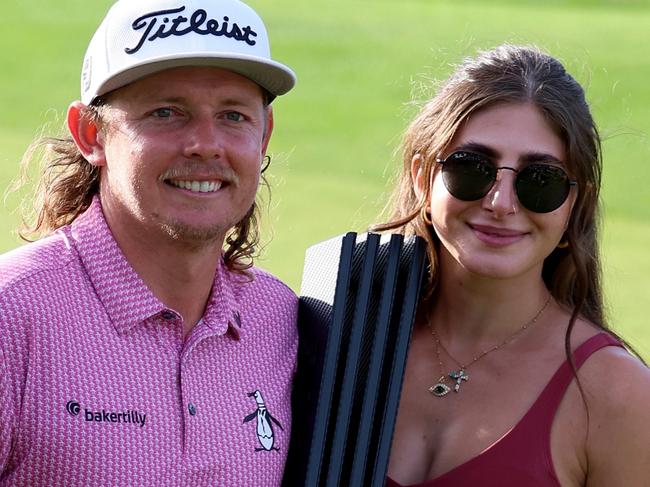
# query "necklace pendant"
(439, 389)
(458, 376)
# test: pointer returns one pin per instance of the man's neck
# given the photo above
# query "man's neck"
(180, 276)
(181, 280)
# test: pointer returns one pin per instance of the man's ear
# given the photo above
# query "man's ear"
(268, 129)
(419, 177)
(86, 134)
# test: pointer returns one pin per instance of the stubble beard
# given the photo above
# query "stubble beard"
(192, 237)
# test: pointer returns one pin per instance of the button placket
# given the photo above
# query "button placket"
(190, 403)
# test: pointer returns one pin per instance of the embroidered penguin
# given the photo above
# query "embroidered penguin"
(264, 429)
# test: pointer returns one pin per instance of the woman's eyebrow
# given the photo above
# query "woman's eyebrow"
(532, 157)
(478, 148)
(492, 153)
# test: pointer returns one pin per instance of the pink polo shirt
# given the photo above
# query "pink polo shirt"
(98, 387)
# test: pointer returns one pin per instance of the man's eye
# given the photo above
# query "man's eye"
(234, 116)
(165, 112)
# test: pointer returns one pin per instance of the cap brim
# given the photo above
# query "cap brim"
(274, 77)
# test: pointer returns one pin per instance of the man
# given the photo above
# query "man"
(137, 344)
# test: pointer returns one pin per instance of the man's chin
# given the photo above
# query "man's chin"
(192, 236)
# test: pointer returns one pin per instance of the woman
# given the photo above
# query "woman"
(501, 176)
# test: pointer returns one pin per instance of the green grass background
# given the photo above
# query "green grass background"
(360, 65)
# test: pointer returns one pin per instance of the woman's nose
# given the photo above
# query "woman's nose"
(502, 198)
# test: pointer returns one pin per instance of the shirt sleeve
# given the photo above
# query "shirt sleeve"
(6, 413)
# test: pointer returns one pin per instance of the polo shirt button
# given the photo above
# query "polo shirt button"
(192, 409)
(168, 315)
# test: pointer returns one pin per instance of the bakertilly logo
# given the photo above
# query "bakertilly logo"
(129, 416)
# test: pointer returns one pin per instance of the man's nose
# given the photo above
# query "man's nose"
(204, 139)
(502, 198)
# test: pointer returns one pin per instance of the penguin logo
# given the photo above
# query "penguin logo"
(264, 428)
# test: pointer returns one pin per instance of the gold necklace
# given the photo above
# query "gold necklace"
(440, 389)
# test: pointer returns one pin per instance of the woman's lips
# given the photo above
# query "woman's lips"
(496, 236)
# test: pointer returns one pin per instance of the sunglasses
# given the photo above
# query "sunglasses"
(540, 188)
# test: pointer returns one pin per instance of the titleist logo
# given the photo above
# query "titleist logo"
(160, 24)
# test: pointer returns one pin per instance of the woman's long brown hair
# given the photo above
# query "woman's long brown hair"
(515, 74)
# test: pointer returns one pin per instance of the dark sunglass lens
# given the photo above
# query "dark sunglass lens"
(468, 176)
(542, 188)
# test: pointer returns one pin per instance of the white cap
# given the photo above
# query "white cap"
(141, 37)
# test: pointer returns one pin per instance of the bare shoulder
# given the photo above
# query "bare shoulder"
(612, 378)
(620, 371)
(617, 392)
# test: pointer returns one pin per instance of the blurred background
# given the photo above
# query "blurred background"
(363, 67)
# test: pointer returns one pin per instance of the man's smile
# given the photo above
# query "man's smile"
(196, 186)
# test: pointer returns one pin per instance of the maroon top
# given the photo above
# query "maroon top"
(523, 456)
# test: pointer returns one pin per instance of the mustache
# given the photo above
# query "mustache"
(202, 170)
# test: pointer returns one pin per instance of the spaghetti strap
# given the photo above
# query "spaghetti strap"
(546, 405)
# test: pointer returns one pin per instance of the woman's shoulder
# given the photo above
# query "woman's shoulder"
(614, 375)
(615, 381)
(607, 372)
(612, 362)
(616, 387)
